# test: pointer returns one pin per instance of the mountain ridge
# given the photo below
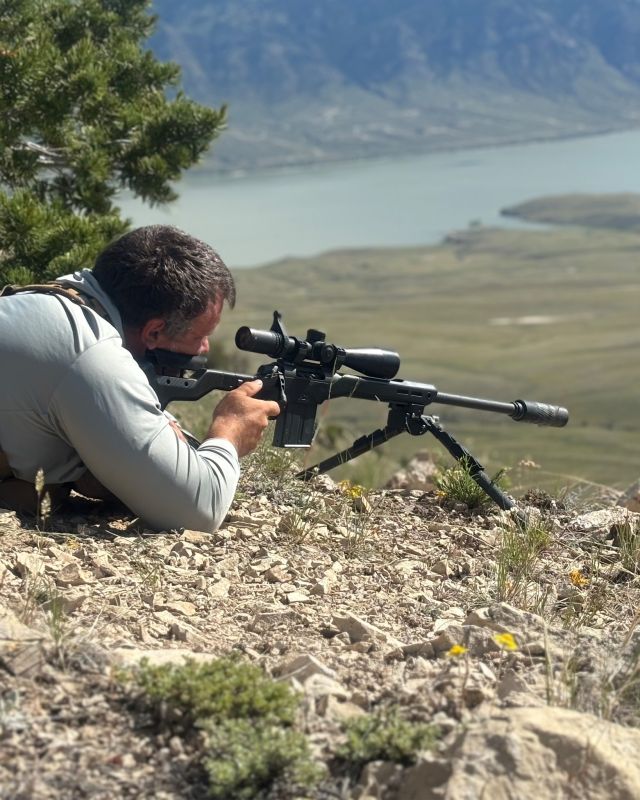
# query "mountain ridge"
(374, 78)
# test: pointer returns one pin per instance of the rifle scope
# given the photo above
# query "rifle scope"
(371, 361)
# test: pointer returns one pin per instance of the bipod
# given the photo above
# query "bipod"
(417, 424)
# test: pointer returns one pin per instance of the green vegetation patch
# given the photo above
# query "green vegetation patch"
(456, 485)
(246, 760)
(251, 745)
(385, 736)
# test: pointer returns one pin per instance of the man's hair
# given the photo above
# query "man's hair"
(161, 271)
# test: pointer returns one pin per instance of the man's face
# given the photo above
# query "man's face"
(195, 340)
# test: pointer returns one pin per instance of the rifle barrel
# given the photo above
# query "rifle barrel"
(518, 410)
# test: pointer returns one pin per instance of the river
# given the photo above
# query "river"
(409, 200)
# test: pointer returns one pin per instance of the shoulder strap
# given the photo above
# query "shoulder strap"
(58, 289)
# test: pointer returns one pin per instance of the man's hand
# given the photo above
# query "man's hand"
(241, 418)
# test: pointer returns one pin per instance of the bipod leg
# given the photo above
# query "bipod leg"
(396, 424)
(476, 470)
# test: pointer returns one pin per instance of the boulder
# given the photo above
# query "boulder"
(536, 753)
(630, 499)
(419, 474)
(599, 523)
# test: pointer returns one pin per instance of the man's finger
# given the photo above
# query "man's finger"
(274, 409)
(251, 388)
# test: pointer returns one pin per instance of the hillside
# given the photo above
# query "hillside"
(373, 77)
(396, 645)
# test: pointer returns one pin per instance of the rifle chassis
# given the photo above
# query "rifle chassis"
(305, 375)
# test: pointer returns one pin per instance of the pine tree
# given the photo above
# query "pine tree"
(85, 111)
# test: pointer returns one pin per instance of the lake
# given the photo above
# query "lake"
(409, 200)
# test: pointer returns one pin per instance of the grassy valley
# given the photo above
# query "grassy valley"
(542, 315)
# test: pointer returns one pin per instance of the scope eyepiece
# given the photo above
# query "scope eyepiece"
(269, 343)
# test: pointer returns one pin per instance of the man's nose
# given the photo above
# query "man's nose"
(204, 347)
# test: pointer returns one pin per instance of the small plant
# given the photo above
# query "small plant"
(57, 620)
(385, 736)
(43, 502)
(590, 593)
(561, 679)
(516, 559)
(272, 469)
(357, 514)
(607, 685)
(589, 599)
(42, 596)
(306, 507)
(627, 538)
(276, 465)
(455, 485)
(148, 565)
(244, 760)
(251, 744)
(622, 682)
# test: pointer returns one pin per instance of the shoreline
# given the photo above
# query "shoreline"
(206, 169)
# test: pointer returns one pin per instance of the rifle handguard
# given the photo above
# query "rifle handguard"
(540, 413)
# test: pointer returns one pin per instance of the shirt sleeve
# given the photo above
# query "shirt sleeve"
(107, 411)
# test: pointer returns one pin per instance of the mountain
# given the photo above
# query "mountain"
(333, 79)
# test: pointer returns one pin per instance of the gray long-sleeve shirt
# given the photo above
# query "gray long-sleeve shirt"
(73, 398)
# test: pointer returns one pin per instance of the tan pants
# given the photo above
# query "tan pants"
(21, 496)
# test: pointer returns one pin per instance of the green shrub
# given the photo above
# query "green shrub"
(245, 760)
(385, 737)
(251, 748)
(455, 484)
(222, 689)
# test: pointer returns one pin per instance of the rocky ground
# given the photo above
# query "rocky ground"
(521, 645)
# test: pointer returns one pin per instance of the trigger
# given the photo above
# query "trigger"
(282, 401)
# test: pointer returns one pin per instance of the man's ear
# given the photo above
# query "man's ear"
(151, 332)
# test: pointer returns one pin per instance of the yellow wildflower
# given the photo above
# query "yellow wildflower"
(506, 640)
(352, 490)
(457, 650)
(577, 578)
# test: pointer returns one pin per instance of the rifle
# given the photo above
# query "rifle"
(305, 374)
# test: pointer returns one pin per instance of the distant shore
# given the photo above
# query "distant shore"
(209, 168)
